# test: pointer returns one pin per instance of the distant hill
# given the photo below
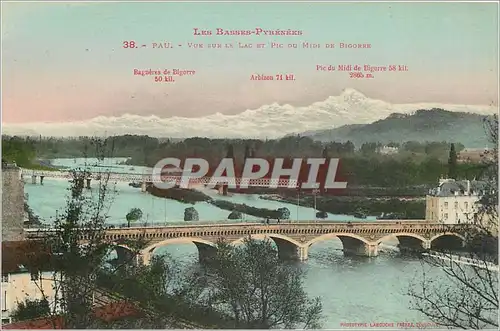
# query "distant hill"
(422, 125)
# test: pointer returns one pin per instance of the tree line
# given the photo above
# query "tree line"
(145, 150)
(414, 164)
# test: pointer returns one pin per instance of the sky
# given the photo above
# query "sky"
(66, 62)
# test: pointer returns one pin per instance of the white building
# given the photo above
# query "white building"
(25, 275)
(453, 202)
(388, 150)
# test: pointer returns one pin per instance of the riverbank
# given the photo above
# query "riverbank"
(356, 206)
(410, 192)
(189, 196)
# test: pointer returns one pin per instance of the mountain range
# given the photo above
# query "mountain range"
(422, 125)
(268, 121)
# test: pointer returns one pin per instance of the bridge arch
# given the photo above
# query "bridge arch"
(340, 236)
(262, 236)
(408, 242)
(288, 248)
(447, 241)
(448, 234)
(206, 249)
(124, 253)
(352, 244)
(402, 234)
(180, 240)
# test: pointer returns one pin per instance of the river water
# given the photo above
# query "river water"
(352, 289)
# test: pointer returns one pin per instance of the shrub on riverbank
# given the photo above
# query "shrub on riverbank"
(191, 214)
(235, 215)
(245, 209)
(179, 194)
(284, 213)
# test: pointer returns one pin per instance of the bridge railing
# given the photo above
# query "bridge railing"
(34, 232)
(175, 179)
(156, 224)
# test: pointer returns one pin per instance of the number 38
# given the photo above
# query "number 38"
(129, 44)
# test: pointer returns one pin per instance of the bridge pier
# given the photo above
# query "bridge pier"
(88, 183)
(143, 258)
(33, 179)
(290, 251)
(41, 179)
(303, 253)
(356, 247)
(144, 187)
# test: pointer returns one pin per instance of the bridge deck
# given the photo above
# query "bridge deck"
(134, 177)
(303, 226)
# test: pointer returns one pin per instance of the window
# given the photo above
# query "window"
(466, 205)
(445, 216)
(446, 205)
(456, 205)
(5, 320)
(5, 278)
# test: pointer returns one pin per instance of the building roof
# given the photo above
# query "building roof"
(107, 313)
(25, 256)
(450, 187)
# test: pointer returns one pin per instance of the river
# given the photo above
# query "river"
(353, 290)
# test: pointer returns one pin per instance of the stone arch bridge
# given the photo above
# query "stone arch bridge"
(292, 239)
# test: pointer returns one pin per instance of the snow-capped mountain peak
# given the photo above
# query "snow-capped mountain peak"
(271, 121)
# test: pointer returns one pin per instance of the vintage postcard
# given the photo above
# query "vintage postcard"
(249, 165)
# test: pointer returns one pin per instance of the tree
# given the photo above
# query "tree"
(31, 309)
(230, 151)
(369, 148)
(76, 265)
(467, 296)
(80, 268)
(133, 215)
(257, 290)
(452, 162)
